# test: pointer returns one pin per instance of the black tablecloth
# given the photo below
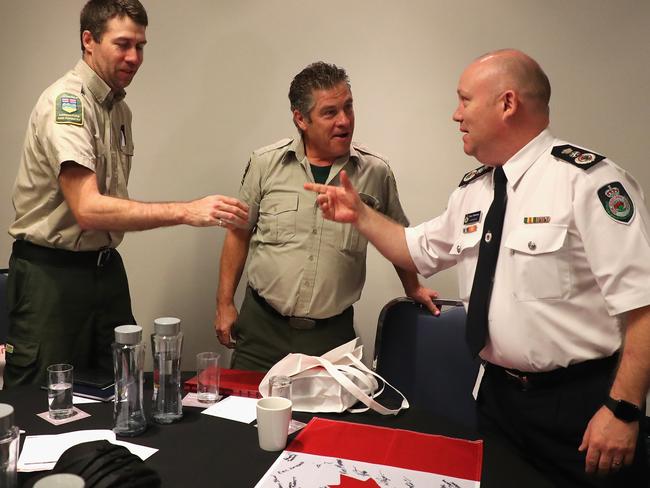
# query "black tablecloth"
(202, 450)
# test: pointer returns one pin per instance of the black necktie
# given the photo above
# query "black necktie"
(479, 300)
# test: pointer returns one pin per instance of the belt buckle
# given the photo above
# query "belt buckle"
(302, 323)
(102, 256)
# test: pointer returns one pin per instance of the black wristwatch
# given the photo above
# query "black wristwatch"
(622, 410)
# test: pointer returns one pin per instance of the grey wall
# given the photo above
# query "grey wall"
(213, 88)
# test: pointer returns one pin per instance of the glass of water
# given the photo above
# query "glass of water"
(207, 374)
(59, 391)
(280, 386)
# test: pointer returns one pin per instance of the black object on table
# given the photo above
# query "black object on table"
(203, 450)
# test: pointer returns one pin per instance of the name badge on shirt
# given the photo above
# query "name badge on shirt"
(470, 220)
(472, 217)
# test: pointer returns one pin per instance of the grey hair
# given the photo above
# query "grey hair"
(316, 76)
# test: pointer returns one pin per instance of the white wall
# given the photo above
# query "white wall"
(213, 88)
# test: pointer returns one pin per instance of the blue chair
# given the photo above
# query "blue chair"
(427, 359)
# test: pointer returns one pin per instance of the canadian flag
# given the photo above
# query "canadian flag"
(348, 455)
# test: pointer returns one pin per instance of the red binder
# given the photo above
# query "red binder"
(234, 382)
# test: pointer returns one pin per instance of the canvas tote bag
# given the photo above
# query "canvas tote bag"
(333, 382)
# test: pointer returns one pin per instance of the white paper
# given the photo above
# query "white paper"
(241, 409)
(77, 400)
(41, 452)
(312, 471)
(143, 452)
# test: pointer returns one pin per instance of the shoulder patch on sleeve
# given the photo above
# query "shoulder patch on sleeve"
(474, 174)
(68, 109)
(617, 203)
(577, 156)
(275, 145)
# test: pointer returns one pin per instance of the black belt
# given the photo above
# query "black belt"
(47, 255)
(528, 381)
(302, 323)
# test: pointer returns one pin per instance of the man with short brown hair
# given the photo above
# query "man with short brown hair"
(67, 286)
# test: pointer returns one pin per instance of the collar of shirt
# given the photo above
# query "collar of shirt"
(518, 164)
(297, 147)
(98, 87)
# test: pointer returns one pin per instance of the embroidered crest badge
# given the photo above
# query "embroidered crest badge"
(616, 202)
(68, 109)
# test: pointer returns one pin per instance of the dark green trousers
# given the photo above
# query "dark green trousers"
(264, 336)
(63, 314)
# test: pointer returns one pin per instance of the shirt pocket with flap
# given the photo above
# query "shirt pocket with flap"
(351, 239)
(465, 250)
(277, 218)
(540, 261)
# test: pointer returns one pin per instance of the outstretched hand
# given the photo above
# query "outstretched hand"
(338, 203)
(217, 210)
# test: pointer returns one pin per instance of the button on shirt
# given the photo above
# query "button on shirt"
(566, 269)
(302, 264)
(102, 143)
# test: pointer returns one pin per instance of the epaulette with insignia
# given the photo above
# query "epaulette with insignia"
(577, 156)
(275, 145)
(474, 174)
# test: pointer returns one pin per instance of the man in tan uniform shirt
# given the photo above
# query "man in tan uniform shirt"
(304, 272)
(67, 287)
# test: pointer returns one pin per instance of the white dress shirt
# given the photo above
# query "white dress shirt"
(566, 271)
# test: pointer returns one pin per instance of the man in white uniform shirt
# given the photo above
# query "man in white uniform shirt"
(566, 340)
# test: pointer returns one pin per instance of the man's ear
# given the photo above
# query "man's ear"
(300, 120)
(87, 41)
(509, 103)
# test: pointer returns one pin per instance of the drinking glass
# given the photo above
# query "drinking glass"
(59, 391)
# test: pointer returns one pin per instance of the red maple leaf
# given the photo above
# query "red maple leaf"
(347, 482)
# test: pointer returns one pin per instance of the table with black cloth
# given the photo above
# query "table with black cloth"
(202, 450)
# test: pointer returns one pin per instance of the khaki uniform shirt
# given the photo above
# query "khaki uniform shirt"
(301, 264)
(77, 119)
(574, 256)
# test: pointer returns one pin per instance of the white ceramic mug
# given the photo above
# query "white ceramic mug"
(273, 417)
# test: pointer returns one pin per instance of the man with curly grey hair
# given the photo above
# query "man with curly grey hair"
(305, 272)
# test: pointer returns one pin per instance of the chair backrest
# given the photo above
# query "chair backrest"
(427, 358)
(4, 313)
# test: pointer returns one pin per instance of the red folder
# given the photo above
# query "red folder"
(234, 382)
(391, 447)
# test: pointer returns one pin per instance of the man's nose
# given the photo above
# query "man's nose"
(342, 119)
(457, 115)
(133, 56)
